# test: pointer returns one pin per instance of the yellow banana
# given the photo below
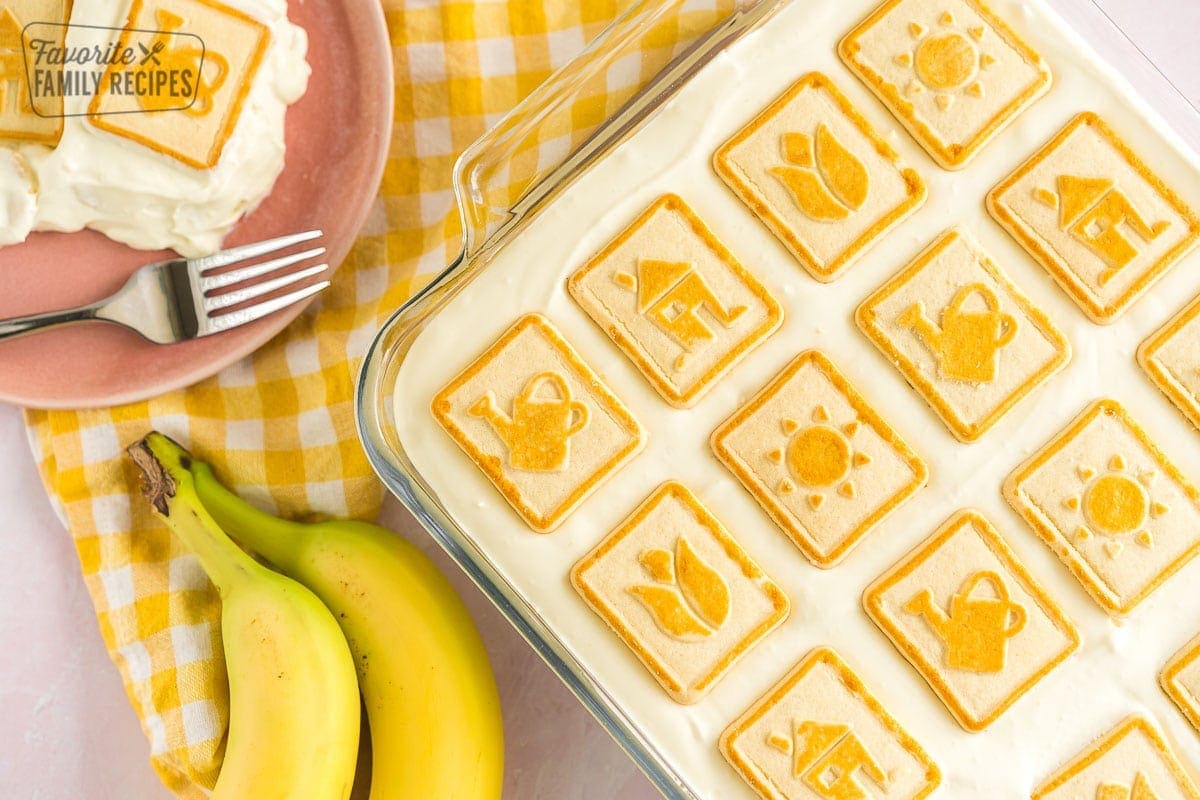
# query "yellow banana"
(294, 711)
(430, 696)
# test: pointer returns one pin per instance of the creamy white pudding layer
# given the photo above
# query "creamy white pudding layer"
(148, 200)
(1114, 673)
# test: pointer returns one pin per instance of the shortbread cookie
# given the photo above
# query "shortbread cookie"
(971, 619)
(26, 113)
(1096, 217)
(820, 734)
(1110, 505)
(1171, 357)
(221, 46)
(818, 458)
(816, 173)
(962, 334)
(538, 421)
(951, 71)
(1131, 762)
(675, 300)
(678, 590)
(1180, 679)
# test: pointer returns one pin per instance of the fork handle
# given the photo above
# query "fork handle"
(18, 326)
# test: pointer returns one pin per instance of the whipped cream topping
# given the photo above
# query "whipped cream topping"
(133, 194)
(1114, 673)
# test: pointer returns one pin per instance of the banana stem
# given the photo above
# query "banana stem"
(279, 541)
(165, 472)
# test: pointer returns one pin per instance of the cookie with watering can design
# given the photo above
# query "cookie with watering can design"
(675, 300)
(1096, 216)
(818, 175)
(1109, 503)
(221, 47)
(821, 734)
(953, 72)
(1133, 761)
(818, 458)
(962, 334)
(538, 421)
(972, 620)
(680, 592)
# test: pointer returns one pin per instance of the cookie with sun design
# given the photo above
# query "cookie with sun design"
(819, 734)
(972, 620)
(1096, 216)
(675, 300)
(1110, 505)
(951, 71)
(1180, 679)
(538, 422)
(816, 173)
(962, 334)
(1171, 357)
(1133, 761)
(818, 458)
(680, 592)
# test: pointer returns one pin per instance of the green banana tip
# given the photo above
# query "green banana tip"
(160, 459)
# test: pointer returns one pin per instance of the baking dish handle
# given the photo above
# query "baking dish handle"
(584, 109)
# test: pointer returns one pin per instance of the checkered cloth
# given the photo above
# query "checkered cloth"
(278, 426)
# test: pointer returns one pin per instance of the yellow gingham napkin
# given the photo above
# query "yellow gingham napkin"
(279, 425)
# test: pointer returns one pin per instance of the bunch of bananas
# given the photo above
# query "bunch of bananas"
(350, 601)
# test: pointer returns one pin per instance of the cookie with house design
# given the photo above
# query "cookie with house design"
(1171, 357)
(680, 592)
(951, 71)
(818, 458)
(538, 421)
(1180, 679)
(962, 334)
(221, 46)
(1096, 216)
(814, 171)
(30, 109)
(675, 300)
(972, 620)
(820, 734)
(1133, 761)
(1110, 504)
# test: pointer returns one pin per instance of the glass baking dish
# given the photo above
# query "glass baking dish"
(515, 170)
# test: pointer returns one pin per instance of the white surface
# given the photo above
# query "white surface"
(67, 732)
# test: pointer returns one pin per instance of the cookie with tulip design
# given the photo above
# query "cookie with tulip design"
(817, 174)
(680, 592)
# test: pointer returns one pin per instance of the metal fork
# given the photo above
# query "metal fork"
(173, 301)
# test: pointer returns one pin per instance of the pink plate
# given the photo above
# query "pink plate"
(337, 140)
